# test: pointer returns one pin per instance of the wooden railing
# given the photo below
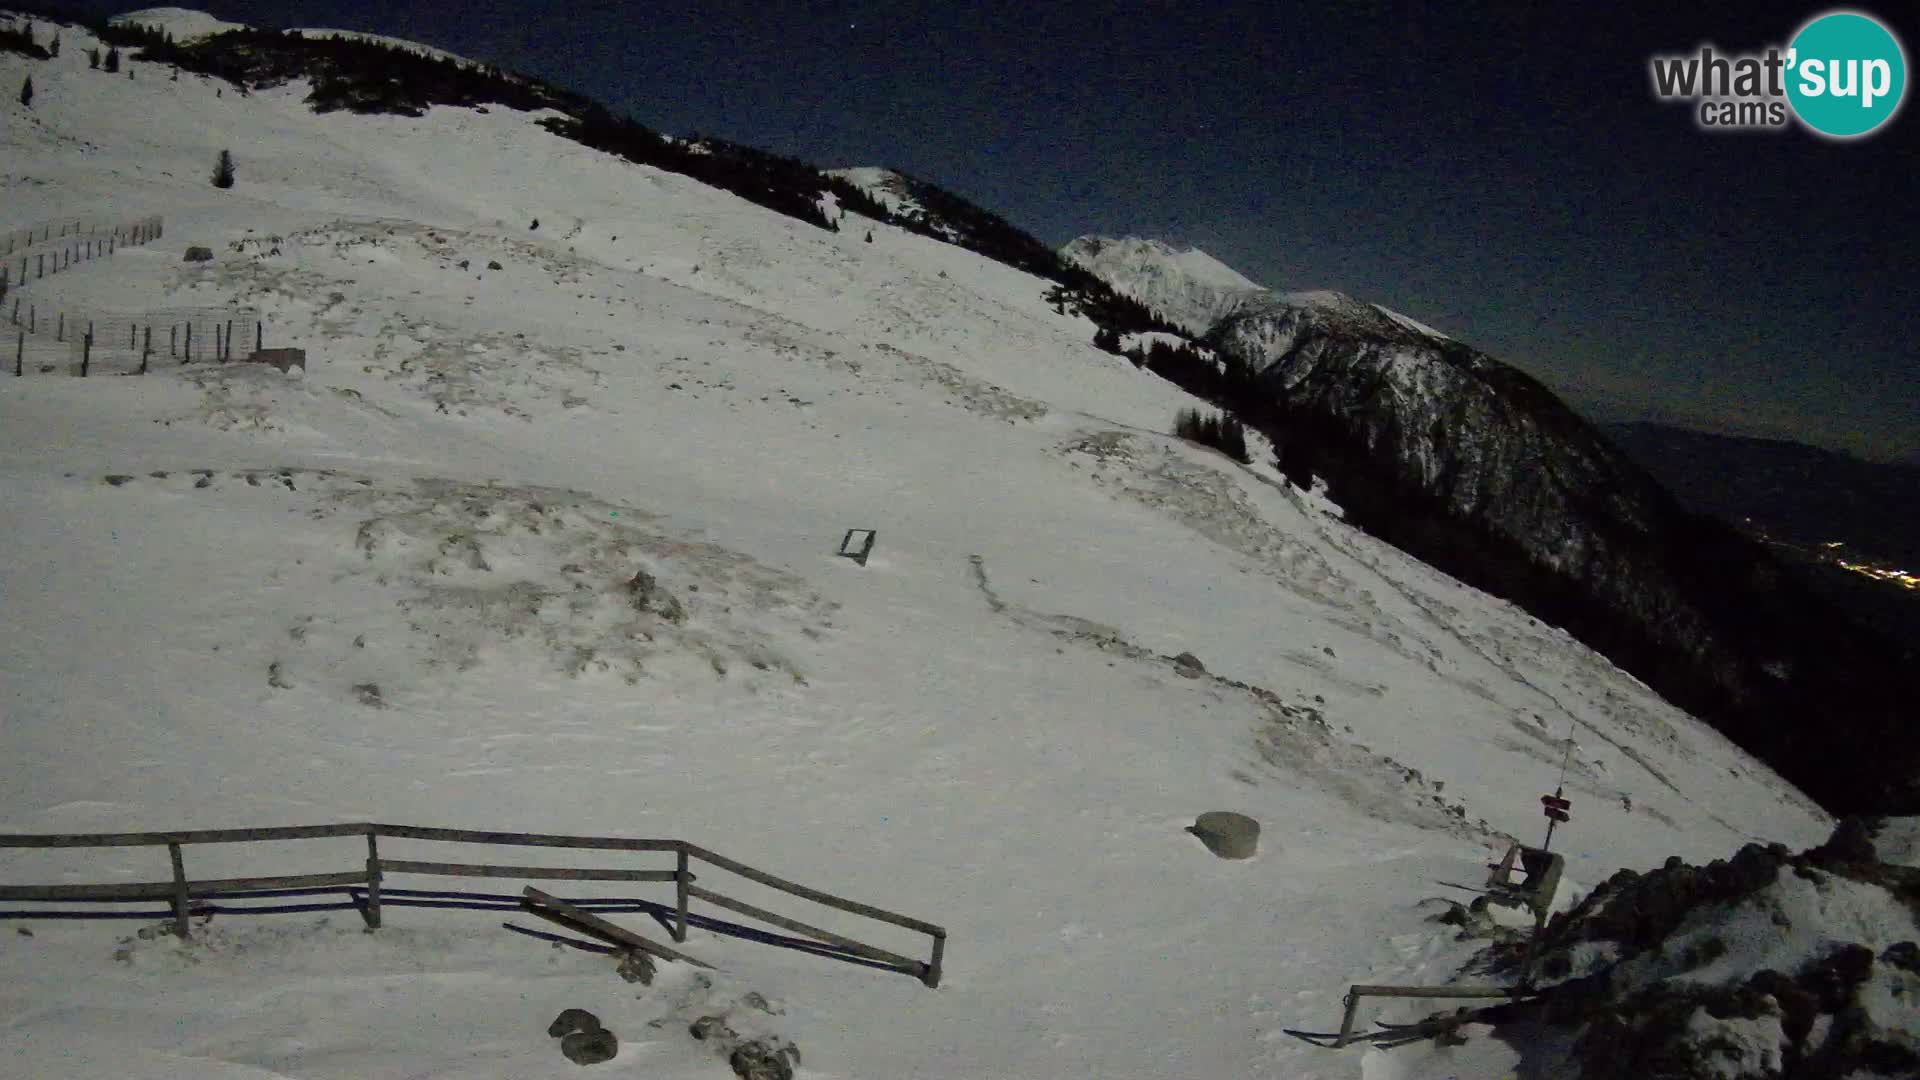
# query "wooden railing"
(181, 891)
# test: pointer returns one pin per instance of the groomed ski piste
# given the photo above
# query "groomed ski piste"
(983, 727)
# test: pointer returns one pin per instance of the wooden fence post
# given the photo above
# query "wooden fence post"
(19, 353)
(257, 335)
(229, 355)
(372, 912)
(132, 338)
(932, 977)
(40, 264)
(86, 354)
(219, 347)
(61, 334)
(146, 351)
(173, 341)
(186, 355)
(680, 891)
(33, 320)
(179, 886)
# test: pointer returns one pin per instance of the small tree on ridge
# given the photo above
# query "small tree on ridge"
(223, 170)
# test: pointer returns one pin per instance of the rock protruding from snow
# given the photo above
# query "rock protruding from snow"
(590, 1047)
(1761, 966)
(1185, 285)
(1227, 834)
(572, 1020)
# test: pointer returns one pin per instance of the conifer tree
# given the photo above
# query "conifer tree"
(93, 59)
(223, 170)
(26, 92)
(113, 61)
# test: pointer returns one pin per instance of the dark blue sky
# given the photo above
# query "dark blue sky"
(1506, 176)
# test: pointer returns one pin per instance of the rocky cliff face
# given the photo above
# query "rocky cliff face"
(1475, 467)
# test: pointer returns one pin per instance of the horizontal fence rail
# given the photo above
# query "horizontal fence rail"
(365, 883)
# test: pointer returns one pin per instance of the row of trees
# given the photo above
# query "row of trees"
(1220, 431)
(21, 40)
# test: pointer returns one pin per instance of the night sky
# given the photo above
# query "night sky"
(1508, 177)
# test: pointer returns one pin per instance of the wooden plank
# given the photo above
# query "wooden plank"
(143, 890)
(545, 906)
(682, 878)
(371, 912)
(932, 978)
(468, 836)
(167, 890)
(196, 836)
(531, 873)
(290, 881)
(181, 895)
(844, 944)
(815, 895)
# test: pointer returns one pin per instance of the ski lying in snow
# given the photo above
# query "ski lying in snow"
(1325, 1039)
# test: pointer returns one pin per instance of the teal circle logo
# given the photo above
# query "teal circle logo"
(1846, 74)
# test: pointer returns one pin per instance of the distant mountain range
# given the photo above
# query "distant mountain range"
(1475, 467)
(1799, 493)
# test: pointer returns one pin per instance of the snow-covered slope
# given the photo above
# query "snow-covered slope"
(401, 589)
(1185, 285)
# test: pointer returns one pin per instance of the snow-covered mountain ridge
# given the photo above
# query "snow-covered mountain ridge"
(402, 588)
(1186, 285)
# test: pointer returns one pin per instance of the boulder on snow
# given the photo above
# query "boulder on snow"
(1189, 665)
(644, 590)
(764, 1059)
(590, 1047)
(1227, 834)
(636, 966)
(198, 254)
(572, 1020)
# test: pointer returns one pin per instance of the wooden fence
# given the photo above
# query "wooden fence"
(31, 254)
(86, 342)
(180, 891)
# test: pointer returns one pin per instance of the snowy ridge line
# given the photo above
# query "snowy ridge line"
(182, 891)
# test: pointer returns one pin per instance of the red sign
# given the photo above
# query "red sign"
(1558, 815)
(1554, 802)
